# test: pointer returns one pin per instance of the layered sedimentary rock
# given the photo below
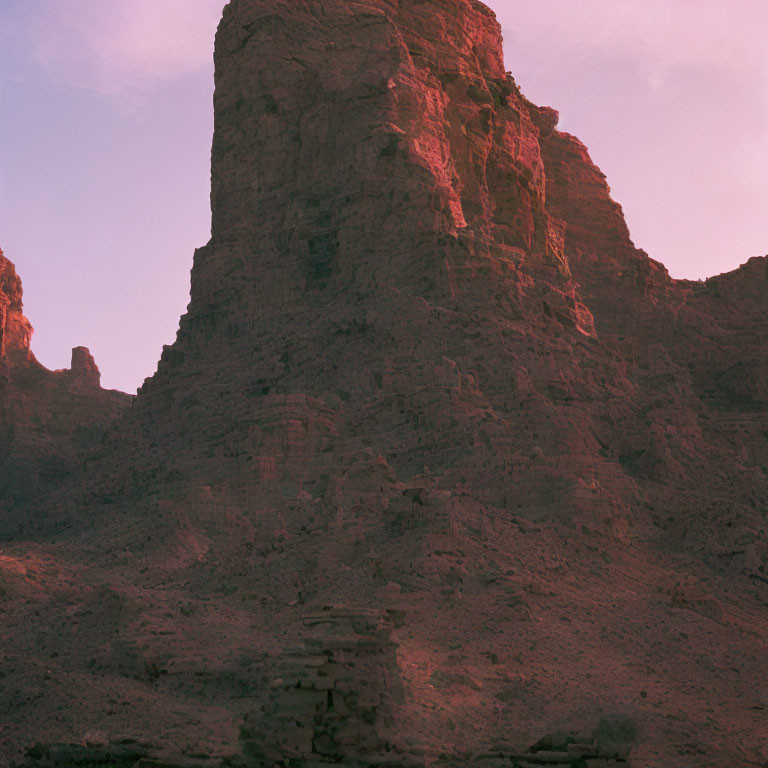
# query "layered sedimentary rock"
(47, 418)
(424, 371)
(335, 696)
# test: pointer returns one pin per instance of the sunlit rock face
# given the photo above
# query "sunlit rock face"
(15, 329)
(424, 372)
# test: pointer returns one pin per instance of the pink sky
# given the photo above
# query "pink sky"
(105, 123)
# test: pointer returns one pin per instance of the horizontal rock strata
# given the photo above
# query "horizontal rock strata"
(425, 372)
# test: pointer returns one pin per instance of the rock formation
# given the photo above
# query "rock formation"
(424, 371)
(15, 330)
(47, 418)
(335, 697)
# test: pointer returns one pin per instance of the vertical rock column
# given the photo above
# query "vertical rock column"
(3, 314)
(336, 696)
(84, 372)
(15, 329)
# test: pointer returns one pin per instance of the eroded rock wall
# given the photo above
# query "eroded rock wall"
(424, 370)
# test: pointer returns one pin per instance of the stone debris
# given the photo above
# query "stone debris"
(336, 695)
(119, 754)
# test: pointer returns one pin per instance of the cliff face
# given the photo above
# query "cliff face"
(693, 348)
(424, 371)
(15, 330)
(47, 418)
(399, 235)
(381, 253)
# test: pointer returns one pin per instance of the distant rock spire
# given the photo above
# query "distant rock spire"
(84, 370)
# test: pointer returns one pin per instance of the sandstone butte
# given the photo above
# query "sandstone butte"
(440, 469)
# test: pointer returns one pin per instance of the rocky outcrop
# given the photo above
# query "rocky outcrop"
(423, 370)
(48, 419)
(15, 329)
(419, 240)
(335, 697)
(327, 303)
(84, 372)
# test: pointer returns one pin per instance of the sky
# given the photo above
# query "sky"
(106, 122)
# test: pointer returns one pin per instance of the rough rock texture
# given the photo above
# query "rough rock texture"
(335, 695)
(47, 418)
(15, 330)
(423, 371)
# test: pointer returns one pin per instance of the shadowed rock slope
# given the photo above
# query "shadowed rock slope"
(424, 377)
(47, 418)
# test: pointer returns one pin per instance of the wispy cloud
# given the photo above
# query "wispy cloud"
(117, 46)
(702, 34)
(671, 96)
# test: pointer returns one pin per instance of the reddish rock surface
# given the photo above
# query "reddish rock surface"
(15, 330)
(425, 373)
(48, 419)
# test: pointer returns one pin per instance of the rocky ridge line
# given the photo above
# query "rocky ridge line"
(48, 419)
